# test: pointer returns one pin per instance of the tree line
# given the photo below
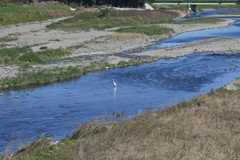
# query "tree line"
(114, 3)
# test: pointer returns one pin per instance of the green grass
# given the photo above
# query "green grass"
(16, 9)
(7, 39)
(24, 55)
(42, 77)
(198, 20)
(57, 74)
(87, 21)
(10, 55)
(3, 45)
(35, 8)
(147, 30)
(14, 14)
(202, 7)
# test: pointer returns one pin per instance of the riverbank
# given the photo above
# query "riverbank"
(199, 129)
(102, 44)
(206, 127)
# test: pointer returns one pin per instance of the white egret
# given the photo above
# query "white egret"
(73, 9)
(115, 85)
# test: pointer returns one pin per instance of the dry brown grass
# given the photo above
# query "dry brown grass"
(208, 127)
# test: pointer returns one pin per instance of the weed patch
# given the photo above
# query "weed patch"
(127, 35)
(14, 14)
(7, 38)
(147, 30)
(42, 77)
(26, 55)
(86, 21)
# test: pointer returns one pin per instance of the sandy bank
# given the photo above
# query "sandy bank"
(104, 43)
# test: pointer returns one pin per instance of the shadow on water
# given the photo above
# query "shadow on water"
(57, 108)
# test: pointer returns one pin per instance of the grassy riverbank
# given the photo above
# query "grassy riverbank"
(57, 74)
(131, 25)
(25, 56)
(112, 19)
(14, 14)
(207, 127)
(107, 18)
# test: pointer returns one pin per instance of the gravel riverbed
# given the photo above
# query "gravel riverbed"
(106, 43)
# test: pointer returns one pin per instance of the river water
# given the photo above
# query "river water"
(58, 108)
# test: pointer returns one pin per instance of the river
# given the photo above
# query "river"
(58, 109)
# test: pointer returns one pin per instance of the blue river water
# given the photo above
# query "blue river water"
(58, 109)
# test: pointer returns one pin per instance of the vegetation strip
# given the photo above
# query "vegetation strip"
(24, 55)
(102, 21)
(147, 30)
(59, 74)
(14, 14)
(199, 20)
